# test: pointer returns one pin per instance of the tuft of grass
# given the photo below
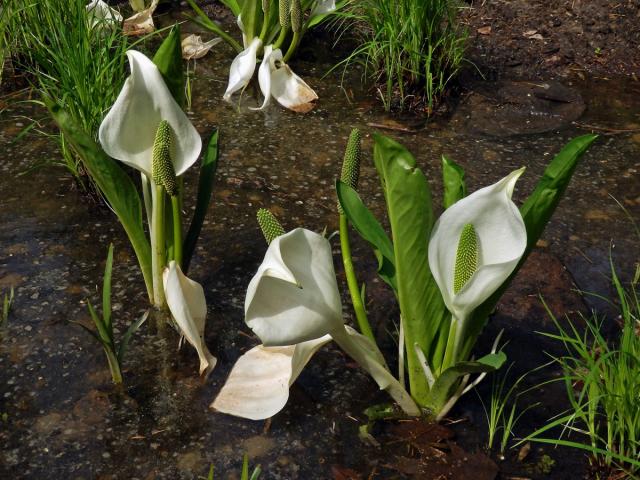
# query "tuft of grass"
(244, 475)
(409, 47)
(79, 66)
(602, 380)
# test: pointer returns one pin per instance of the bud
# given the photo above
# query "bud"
(283, 11)
(269, 224)
(296, 16)
(351, 163)
(162, 166)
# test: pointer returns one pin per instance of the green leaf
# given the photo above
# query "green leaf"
(411, 217)
(446, 384)
(89, 331)
(317, 19)
(168, 59)
(536, 212)
(453, 180)
(245, 468)
(370, 230)
(114, 184)
(103, 332)
(205, 191)
(133, 328)
(106, 291)
(251, 15)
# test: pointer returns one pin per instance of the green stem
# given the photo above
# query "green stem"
(378, 372)
(177, 229)
(281, 38)
(352, 281)
(450, 350)
(292, 47)
(114, 365)
(265, 26)
(158, 245)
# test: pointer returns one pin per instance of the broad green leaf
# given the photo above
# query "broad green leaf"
(370, 230)
(168, 59)
(251, 15)
(411, 217)
(453, 182)
(536, 212)
(106, 291)
(446, 384)
(205, 191)
(133, 328)
(114, 184)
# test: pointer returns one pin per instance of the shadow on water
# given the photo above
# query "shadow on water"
(63, 420)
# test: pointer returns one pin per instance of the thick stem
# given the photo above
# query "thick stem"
(281, 38)
(352, 281)
(450, 350)
(292, 47)
(265, 26)
(158, 245)
(378, 372)
(177, 229)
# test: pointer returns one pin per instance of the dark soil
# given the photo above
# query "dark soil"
(551, 39)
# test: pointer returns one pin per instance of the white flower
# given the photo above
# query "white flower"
(294, 295)
(193, 47)
(476, 244)
(242, 68)
(186, 301)
(277, 80)
(293, 305)
(102, 15)
(323, 7)
(141, 23)
(128, 131)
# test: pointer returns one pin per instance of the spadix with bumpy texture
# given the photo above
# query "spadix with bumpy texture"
(466, 257)
(269, 224)
(475, 245)
(350, 173)
(162, 167)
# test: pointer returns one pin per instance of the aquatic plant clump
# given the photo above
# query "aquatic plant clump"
(409, 47)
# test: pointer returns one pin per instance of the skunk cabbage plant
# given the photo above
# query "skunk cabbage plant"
(293, 305)
(449, 274)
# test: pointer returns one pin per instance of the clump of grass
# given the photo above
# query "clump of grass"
(104, 326)
(409, 47)
(602, 380)
(79, 66)
(244, 475)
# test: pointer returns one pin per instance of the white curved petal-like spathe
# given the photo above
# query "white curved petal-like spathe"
(137, 5)
(186, 301)
(101, 14)
(242, 68)
(141, 23)
(291, 91)
(258, 385)
(193, 47)
(294, 295)
(128, 131)
(267, 67)
(502, 240)
(322, 7)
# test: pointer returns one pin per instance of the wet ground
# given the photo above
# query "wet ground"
(62, 419)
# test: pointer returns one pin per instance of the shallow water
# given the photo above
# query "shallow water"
(63, 420)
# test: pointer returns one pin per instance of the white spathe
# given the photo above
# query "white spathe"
(322, 7)
(101, 14)
(277, 80)
(294, 295)
(258, 385)
(186, 301)
(128, 131)
(502, 240)
(242, 68)
(141, 23)
(193, 47)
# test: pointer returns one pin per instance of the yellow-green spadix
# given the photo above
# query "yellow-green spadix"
(128, 131)
(476, 244)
